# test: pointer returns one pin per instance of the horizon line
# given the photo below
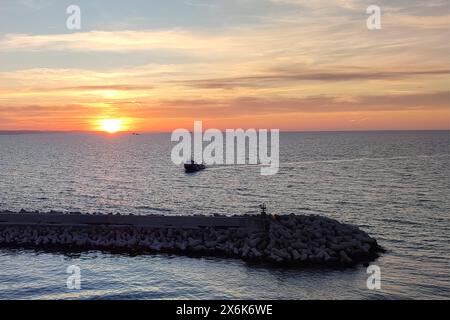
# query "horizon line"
(26, 131)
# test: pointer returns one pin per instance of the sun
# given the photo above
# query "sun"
(111, 125)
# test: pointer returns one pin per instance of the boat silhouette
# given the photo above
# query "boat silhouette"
(194, 167)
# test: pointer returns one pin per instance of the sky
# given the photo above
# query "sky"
(278, 64)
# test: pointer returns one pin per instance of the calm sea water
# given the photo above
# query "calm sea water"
(395, 185)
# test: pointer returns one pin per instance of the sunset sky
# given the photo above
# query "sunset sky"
(288, 64)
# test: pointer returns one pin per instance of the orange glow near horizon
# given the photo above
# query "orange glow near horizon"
(143, 122)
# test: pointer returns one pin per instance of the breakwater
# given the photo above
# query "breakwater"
(275, 239)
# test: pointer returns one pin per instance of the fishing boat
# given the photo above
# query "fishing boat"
(194, 167)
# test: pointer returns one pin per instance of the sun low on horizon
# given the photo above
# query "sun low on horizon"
(112, 125)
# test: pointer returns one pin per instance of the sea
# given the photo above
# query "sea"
(392, 184)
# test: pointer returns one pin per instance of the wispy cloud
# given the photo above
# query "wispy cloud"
(245, 106)
(35, 4)
(337, 75)
(115, 41)
(203, 4)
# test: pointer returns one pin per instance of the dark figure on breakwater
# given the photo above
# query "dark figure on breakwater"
(263, 209)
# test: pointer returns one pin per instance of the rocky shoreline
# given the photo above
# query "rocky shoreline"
(279, 240)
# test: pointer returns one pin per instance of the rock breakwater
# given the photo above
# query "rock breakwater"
(281, 240)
